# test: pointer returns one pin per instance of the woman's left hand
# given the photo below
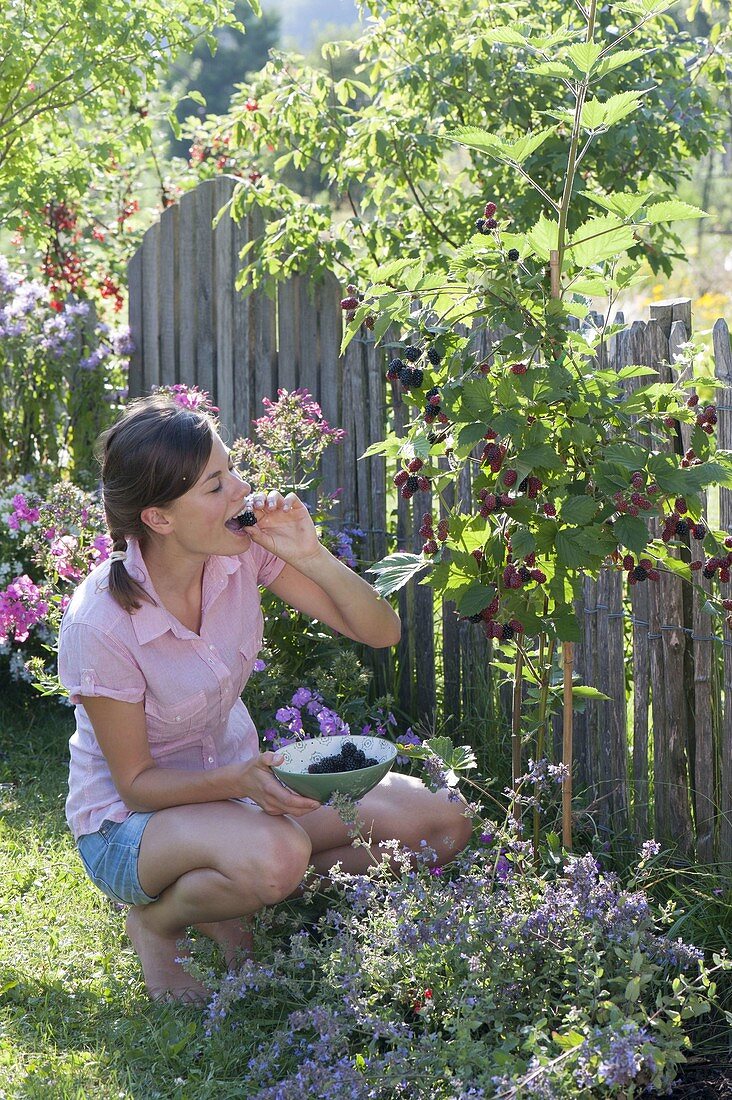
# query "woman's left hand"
(284, 526)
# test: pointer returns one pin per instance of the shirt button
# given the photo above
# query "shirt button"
(210, 759)
(212, 648)
(177, 718)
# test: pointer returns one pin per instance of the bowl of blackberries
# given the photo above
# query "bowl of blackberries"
(349, 764)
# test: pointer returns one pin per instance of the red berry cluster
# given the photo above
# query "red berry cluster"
(675, 526)
(532, 486)
(636, 501)
(351, 302)
(723, 564)
(690, 458)
(109, 289)
(644, 570)
(707, 418)
(410, 480)
(488, 221)
(493, 502)
(493, 453)
(427, 532)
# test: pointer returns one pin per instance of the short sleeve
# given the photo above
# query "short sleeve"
(268, 566)
(90, 662)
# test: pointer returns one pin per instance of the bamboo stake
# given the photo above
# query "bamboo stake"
(516, 732)
(567, 650)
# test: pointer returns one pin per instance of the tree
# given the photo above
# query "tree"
(237, 56)
(74, 83)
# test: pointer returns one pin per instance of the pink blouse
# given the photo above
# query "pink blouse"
(190, 684)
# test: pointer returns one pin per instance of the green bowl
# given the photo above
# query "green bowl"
(293, 772)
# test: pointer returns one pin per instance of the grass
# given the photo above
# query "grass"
(75, 1021)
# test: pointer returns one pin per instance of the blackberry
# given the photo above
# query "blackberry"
(708, 571)
(404, 374)
(475, 618)
(490, 223)
(480, 225)
(507, 632)
(412, 483)
(393, 369)
(513, 254)
(434, 357)
(640, 573)
(698, 532)
(247, 519)
(682, 528)
(412, 353)
(417, 377)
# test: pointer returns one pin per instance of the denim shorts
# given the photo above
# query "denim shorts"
(110, 858)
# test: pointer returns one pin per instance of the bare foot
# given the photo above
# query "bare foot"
(233, 936)
(165, 979)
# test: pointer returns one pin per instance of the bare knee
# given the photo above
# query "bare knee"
(281, 863)
(449, 830)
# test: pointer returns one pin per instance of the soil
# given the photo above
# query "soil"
(703, 1081)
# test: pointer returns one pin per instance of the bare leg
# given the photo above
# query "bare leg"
(211, 864)
(234, 937)
(400, 808)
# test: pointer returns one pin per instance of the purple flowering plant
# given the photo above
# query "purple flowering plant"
(64, 373)
(500, 976)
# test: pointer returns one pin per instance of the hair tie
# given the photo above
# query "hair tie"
(118, 555)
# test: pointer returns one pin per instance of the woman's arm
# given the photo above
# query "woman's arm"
(121, 730)
(316, 582)
(327, 590)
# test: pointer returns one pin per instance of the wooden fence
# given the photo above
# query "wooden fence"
(656, 653)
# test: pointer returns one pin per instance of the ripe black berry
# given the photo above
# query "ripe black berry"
(412, 353)
(247, 519)
(434, 357)
(698, 532)
(513, 254)
(682, 528)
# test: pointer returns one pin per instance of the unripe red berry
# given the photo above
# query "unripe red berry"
(669, 422)
(693, 400)
(518, 368)
(637, 480)
(478, 555)
(490, 223)
(430, 547)
(349, 303)
(510, 478)
(549, 510)
(414, 465)
(423, 483)
(401, 478)
(628, 562)
(696, 566)
(490, 209)
(653, 575)
(680, 505)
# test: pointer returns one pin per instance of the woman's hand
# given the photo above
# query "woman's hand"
(284, 526)
(263, 787)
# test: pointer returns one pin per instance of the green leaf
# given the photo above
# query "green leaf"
(619, 58)
(571, 549)
(394, 571)
(578, 509)
(196, 96)
(475, 598)
(673, 210)
(600, 239)
(553, 68)
(544, 237)
(631, 531)
(624, 203)
(585, 692)
(584, 56)
(597, 114)
(523, 542)
(540, 457)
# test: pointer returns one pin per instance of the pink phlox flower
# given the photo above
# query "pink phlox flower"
(22, 606)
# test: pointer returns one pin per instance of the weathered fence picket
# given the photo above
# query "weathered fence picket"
(190, 324)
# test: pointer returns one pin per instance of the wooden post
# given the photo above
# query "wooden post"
(567, 649)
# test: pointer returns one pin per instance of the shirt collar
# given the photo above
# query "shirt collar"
(151, 621)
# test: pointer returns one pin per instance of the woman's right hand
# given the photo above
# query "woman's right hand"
(259, 783)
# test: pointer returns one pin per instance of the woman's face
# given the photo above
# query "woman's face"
(200, 521)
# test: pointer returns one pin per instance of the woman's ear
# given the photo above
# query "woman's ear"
(157, 520)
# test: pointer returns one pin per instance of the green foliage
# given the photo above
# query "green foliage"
(74, 86)
(397, 188)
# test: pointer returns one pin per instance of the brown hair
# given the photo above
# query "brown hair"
(154, 454)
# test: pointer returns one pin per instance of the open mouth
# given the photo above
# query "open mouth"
(240, 522)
